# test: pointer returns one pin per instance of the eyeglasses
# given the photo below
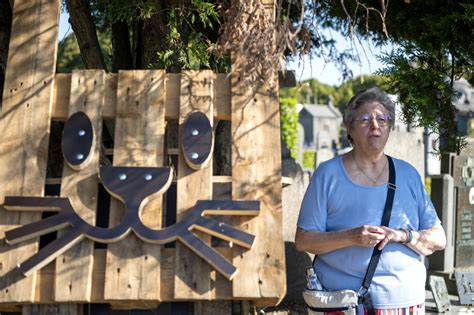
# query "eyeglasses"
(382, 119)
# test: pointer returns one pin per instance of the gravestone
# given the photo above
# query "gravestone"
(440, 293)
(463, 175)
(465, 284)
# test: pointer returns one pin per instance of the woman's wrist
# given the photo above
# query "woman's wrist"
(408, 236)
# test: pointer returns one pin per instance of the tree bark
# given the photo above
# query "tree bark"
(138, 45)
(5, 30)
(122, 52)
(84, 28)
(154, 32)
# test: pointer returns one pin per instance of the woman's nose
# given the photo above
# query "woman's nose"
(374, 124)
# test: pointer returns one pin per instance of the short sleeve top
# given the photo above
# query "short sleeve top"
(334, 202)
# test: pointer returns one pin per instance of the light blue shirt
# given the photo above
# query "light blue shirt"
(334, 202)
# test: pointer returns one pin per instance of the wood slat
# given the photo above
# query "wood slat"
(285, 181)
(53, 309)
(256, 175)
(221, 96)
(73, 281)
(133, 267)
(25, 122)
(192, 274)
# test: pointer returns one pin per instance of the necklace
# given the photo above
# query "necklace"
(374, 182)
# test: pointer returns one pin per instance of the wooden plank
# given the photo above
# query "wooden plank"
(167, 274)
(221, 96)
(45, 283)
(53, 309)
(192, 278)
(222, 288)
(73, 281)
(25, 122)
(44, 292)
(62, 92)
(256, 175)
(133, 267)
(285, 181)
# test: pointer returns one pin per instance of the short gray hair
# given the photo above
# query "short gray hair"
(368, 96)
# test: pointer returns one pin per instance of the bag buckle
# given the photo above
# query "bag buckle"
(392, 186)
(363, 291)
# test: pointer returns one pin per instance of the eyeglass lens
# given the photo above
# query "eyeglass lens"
(366, 119)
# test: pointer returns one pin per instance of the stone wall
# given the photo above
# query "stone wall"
(296, 262)
(407, 144)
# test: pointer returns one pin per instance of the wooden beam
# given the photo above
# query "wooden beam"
(192, 273)
(256, 175)
(25, 122)
(133, 268)
(221, 96)
(73, 281)
(285, 181)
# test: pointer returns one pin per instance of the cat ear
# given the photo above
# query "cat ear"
(77, 140)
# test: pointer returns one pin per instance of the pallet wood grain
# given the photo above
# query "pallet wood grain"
(192, 279)
(221, 91)
(73, 281)
(133, 268)
(256, 174)
(25, 122)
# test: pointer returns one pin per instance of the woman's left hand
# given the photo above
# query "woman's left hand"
(391, 235)
(423, 242)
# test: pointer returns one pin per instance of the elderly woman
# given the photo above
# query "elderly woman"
(340, 215)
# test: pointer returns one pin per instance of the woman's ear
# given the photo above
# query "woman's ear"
(350, 138)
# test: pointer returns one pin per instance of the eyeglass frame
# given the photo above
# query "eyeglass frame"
(386, 119)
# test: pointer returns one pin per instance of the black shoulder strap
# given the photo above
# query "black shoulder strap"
(364, 296)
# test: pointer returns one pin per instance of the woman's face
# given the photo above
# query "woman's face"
(370, 128)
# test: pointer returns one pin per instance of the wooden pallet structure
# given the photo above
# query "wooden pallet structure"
(135, 266)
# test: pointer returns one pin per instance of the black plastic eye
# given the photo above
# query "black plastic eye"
(77, 140)
(197, 140)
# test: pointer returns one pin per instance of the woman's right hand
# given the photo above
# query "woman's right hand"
(317, 242)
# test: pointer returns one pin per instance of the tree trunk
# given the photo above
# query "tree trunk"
(121, 50)
(156, 29)
(84, 28)
(449, 141)
(154, 33)
(5, 30)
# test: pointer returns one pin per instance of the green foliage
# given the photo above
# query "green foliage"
(69, 56)
(435, 48)
(289, 124)
(124, 10)
(190, 28)
(309, 159)
(427, 102)
(428, 185)
(192, 53)
(314, 92)
(311, 91)
(187, 44)
(470, 127)
(349, 88)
